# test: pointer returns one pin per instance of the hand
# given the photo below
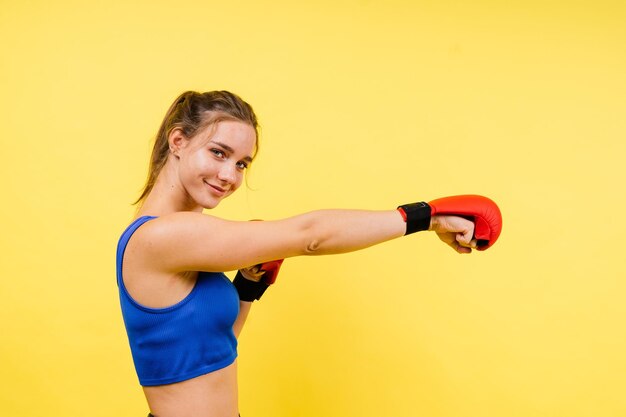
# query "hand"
(455, 231)
(253, 273)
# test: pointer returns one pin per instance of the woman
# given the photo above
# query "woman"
(181, 313)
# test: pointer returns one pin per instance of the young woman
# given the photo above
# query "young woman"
(182, 314)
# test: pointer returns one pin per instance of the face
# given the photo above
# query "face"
(212, 163)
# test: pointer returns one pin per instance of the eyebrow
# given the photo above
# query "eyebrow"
(231, 150)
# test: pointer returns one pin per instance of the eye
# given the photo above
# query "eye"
(242, 165)
(218, 152)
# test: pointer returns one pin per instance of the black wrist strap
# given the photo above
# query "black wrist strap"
(416, 215)
(249, 290)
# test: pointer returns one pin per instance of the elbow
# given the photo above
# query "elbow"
(314, 235)
(312, 247)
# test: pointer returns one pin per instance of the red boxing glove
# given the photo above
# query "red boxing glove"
(249, 290)
(482, 211)
(253, 290)
(271, 269)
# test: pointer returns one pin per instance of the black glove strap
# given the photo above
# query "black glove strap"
(417, 217)
(249, 290)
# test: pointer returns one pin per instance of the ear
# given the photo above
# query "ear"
(177, 141)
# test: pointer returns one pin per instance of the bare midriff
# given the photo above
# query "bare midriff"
(210, 395)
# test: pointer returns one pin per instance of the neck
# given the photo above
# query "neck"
(167, 195)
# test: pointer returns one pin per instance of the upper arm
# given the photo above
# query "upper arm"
(187, 241)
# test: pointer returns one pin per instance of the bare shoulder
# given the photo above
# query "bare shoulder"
(181, 219)
(187, 241)
(165, 231)
(175, 242)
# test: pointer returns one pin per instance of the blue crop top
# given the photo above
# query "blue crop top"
(188, 339)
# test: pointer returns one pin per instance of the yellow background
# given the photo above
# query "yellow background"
(364, 104)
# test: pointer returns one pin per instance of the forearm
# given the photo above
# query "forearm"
(244, 310)
(340, 231)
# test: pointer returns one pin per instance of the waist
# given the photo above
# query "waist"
(209, 395)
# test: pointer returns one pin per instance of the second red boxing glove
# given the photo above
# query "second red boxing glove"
(271, 271)
(249, 290)
(253, 290)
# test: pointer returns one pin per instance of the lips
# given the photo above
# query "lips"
(219, 191)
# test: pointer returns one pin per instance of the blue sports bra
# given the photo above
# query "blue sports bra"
(188, 339)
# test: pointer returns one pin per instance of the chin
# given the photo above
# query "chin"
(210, 204)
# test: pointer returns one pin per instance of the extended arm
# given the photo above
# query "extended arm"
(187, 241)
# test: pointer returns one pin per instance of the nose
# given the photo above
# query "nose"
(227, 174)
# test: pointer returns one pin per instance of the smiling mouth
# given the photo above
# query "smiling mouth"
(217, 190)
